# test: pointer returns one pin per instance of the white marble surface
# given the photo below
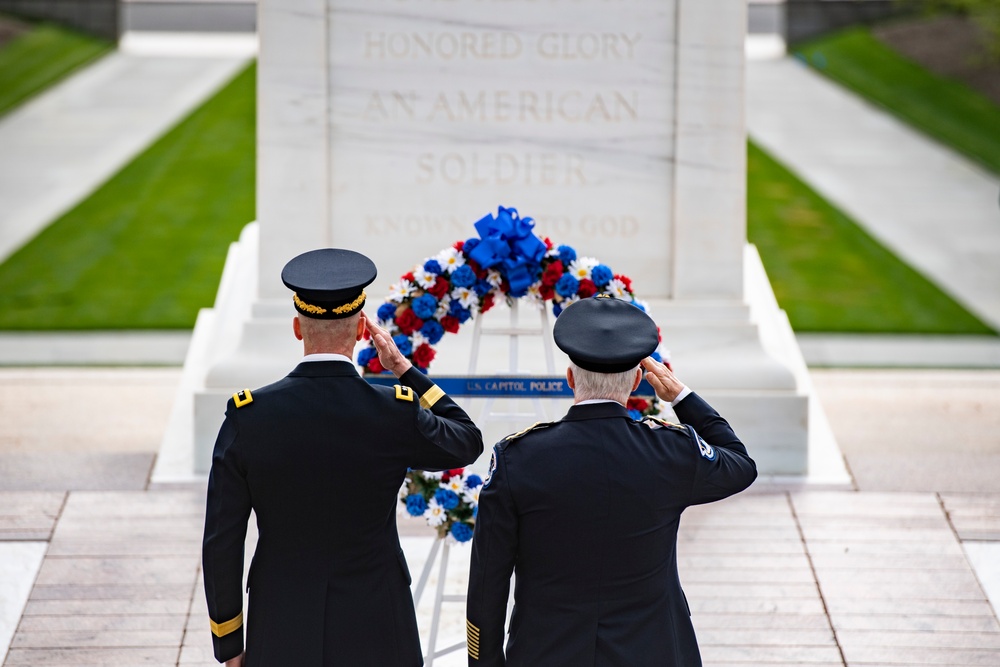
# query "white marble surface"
(19, 564)
(985, 560)
(932, 207)
(438, 112)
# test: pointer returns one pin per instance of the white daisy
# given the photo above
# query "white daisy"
(581, 267)
(443, 305)
(568, 300)
(423, 278)
(436, 515)
(399, 291)
(466, 296)
(471, 496)
(533, 296)
(417, 339)
(494, 278)
(616, 288)
(456, 484)
(432, 475)
(450, 259)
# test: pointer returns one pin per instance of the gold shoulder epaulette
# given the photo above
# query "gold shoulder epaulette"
(536, 425)
(242, 398)
(656, 422)
(404, 393)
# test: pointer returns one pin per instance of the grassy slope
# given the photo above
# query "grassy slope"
(829, 274)
(947, 110)
(40, 57)
(146, 250)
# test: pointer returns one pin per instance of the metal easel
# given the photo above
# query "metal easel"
(513, 331)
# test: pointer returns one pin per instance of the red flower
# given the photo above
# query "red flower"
(548, 243)
(459, 245)
(445, 477)
(408, 276)
(408, 322)
(455, 472)
(478, 270)
(659, 335)
(440, 287)
(450, 324)
(553, 272)
(423, 355)
(374, 365)
(504, 286)
(626, 281)
(487, 303)
(639, 404)
(587, 288)
(547, 292)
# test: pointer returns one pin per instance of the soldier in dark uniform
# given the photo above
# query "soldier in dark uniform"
(320, 457)
(585, 510)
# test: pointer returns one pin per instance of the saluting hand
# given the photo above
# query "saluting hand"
(661, 379)
(388, 354)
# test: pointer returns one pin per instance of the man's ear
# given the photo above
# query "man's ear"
(297, 328)
(362, 326)
(569, 378)
(638, 379)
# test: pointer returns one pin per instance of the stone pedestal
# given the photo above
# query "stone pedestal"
(391, 126)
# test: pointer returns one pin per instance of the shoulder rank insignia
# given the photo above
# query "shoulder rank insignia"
(404, 393)
(242, 398)
(656, 422)
(536, 425)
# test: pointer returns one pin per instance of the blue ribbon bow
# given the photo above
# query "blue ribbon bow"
(509, 241)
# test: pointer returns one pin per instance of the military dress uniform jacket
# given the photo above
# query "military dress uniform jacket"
(586, 511)
(320, 457)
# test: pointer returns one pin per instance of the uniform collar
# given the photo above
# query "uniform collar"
(327, 356)
(596, 411)
(325, 369)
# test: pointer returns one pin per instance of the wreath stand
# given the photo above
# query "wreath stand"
(513, 331)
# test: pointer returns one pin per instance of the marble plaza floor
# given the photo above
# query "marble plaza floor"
(97, 568)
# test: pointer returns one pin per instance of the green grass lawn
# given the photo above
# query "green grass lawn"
(945, 109)
(147, 249)
(40, 57)
(828, 273)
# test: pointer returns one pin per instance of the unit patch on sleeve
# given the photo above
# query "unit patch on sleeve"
(707, 451)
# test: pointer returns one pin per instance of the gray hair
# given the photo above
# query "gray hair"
(330, 332)
(613, 386)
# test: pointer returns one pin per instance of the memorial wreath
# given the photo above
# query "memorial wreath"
(507, 261)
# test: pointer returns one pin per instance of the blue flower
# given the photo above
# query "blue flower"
(482, 287)
(567, 285)
(601, 275)
(424, 306)
(475, 511)
(415, 504)
(404, 344)
(656, 356)
(470, 245)
(566, 254)
(462, 532)
(472, 481)
(366, 355)
(446, 498)
(463, 276)
(634, 414)
(639, 306)
(461, 314)
(432, 331)
(387, 312)
(432, 266)
(556, 308)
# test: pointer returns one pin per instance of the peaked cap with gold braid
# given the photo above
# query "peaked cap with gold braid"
(329, 283)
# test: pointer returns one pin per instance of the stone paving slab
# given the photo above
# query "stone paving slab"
(43, 471)
(29, 515)
(974, 517)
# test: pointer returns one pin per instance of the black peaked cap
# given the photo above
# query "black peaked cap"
(605, 335)
(329, 283)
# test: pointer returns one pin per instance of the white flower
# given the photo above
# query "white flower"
(581, 267)
(417, 339)
(471, 496)
(456, 484)
(404, 490)
(432, 475)
(534, 294)
(450, 259)
(645, 306)
(436, 515)
(466, 296)
(423, 278)
(399, 291)
(616, 288)
(443, 305)
(494, 278)
(567, 300)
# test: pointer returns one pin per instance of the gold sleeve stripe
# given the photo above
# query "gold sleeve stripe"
(223, 629)
(472, 639)
(431, 396)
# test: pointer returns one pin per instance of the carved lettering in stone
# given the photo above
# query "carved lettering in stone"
(500, 168)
